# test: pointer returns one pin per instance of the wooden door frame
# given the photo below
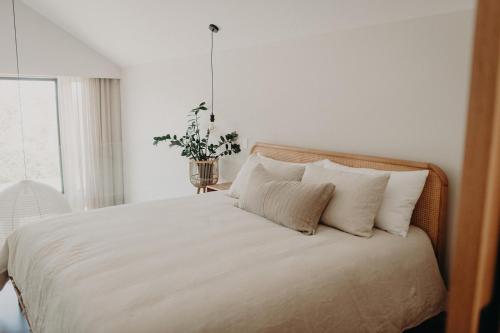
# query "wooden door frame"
(474, 250)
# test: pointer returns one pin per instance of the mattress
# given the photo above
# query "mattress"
(199, 264)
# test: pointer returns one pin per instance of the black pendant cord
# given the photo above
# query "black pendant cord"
(212, 116)
(19, 88)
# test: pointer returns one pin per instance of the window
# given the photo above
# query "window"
(41, 133)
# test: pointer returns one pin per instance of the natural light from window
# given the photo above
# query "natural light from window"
(39, 109)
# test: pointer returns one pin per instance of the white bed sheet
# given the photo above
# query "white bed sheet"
(199, 264)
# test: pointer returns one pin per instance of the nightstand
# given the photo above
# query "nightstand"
(219, 187)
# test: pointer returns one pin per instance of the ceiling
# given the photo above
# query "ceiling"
(131, 32)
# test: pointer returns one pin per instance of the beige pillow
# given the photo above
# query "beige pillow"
(292, 204)
(400, 197)
(280, 170)
(356, 200)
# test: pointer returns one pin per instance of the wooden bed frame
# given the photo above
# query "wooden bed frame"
(430, 210)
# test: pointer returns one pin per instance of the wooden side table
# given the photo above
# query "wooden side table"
(218, 187)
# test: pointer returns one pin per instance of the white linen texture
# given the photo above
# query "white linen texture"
(279, 169)
(200, 264)
(401, 195)
(356, 200)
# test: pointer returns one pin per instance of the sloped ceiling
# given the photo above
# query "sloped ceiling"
(45, 49)
(132, 32)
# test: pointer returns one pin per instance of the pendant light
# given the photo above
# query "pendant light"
(213, 30)
(28, 200)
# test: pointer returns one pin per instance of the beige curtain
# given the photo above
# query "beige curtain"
(91, 145)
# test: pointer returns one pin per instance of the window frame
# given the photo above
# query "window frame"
(47, 79)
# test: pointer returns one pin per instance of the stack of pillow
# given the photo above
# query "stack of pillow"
(354, 200)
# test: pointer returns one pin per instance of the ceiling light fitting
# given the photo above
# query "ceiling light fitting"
(214, 29)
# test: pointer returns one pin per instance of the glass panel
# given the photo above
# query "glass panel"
(39, 117)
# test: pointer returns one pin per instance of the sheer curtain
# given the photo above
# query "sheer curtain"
(91, 145)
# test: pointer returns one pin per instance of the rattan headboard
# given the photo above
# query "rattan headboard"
(430, 211)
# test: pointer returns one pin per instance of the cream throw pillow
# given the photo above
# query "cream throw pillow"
(280, 170)
(292, 204)
(401, 195)
(356, 200)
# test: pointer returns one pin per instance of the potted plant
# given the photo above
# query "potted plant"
(203, 153)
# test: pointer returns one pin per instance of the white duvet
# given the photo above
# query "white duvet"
(199, 264)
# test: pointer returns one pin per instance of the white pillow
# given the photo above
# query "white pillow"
(400, 197)
(356, 199)
(280, 170)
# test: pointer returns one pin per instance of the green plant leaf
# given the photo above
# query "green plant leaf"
(194, 146)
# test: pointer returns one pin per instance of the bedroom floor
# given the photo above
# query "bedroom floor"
(11, 319)
(433, 325)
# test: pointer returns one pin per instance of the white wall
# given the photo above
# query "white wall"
(45, 49)
(395, 90)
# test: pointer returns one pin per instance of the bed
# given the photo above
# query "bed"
(199, 264)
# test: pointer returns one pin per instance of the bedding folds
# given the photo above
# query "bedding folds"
(200, 264)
